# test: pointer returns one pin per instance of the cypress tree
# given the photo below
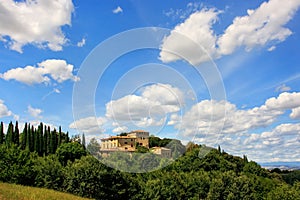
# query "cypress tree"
(41, 142)
(83, 140)
(17, 135)
(45, 147)
(53, 141)
(9, 135)
(48, 140)
(24, 137)
(59, 137)
(1, 133)
(28, 138)
(32, 135)
(67, 139)
(36, 141)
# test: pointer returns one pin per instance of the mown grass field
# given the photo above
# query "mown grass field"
(18, 192)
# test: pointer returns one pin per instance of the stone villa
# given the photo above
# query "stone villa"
(129, 142)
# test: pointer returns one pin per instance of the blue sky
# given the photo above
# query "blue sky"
(218, 72)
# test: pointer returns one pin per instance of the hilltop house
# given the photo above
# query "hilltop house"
(129, 143)
(126, 143)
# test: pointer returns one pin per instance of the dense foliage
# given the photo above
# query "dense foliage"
(201, 173)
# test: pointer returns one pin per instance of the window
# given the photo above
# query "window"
(141, 144)
(131, 145)
(125, 142)
(125, 148)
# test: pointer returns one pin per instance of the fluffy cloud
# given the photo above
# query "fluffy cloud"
(259, 27)
(117, 10)
(261, 147)
(210, 117)
(196, 30)
(36, 22)
(4, 111)
(58, 70)
(164, 93)
(284, 101)
(295, 114)
(149, 109)
(89, 125)
(34, 112)
(120, 129)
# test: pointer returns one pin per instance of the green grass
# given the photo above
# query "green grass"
(18, 192)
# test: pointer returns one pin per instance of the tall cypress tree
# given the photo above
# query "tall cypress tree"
(59, 137)
(53, 141)
(36, 141)
(83, 140)
(24, 137)
(28, 138)
(41, 142)
(1, 133)
(10, 134)
(32, 134)
(17, 135)
(48, 140)
(67, 139)
(45, 147)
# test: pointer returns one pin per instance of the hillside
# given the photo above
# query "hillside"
(18, 192)
(63, 164)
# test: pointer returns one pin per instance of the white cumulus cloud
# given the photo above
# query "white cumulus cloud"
(34, 112)
(89, 125)
(4, 111)
(194, 31)
(261, 26)
(214, 117)
(195, 40)
(148, 109)
(58, 70)
(36, 22)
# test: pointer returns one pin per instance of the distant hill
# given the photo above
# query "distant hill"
(281, 165)
(17, 192)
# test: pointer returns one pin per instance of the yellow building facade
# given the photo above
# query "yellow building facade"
(125, 143)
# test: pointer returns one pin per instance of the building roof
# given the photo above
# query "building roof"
(139, 131)
(118, 137)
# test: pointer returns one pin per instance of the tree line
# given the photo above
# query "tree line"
(41, 139)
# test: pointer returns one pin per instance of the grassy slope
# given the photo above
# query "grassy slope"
(18, 192)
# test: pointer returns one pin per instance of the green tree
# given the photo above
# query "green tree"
(17, 134)
(40, 139)
(49, 172)
(1, 133)
(28, 140)
(53, 141)
(9, 139)
(32, 135)
(101, 183)
(70, 151)
(67, 139)
(83, 141)
(24, 137)
(46, 139)
(59, 137)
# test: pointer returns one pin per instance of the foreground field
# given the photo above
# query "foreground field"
(18, 192)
